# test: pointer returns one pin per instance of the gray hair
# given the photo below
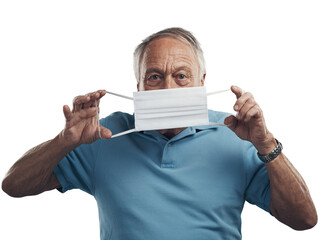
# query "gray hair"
(179, 33)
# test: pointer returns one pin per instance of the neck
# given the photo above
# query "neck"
(170, 133)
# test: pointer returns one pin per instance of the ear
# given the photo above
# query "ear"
(203, 79)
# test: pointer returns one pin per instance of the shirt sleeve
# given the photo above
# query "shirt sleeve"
(75, 170)
(258, 184)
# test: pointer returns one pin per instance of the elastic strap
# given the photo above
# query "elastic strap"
(217, 124)
(119, 95)
(131, 98)
(133, 130)
(216, 92)
(97, 115)
(123, 133)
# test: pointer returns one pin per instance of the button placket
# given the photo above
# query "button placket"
(167, 161)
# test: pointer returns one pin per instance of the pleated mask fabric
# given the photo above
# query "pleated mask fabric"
(170, 108)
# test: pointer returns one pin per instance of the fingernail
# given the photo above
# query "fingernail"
(236, 107)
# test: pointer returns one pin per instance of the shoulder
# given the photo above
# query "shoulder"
(118, 121)
(225, 135)
(217, 117)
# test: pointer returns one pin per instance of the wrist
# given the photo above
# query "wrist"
(266, 146)
(64, 142)
(273, 154)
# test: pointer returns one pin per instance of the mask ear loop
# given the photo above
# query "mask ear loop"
(217, 124)
(119, 95)
(97, 115)
(216, 92)
(124, 133)
(212, 93)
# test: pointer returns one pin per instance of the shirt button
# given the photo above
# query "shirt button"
(169, 144)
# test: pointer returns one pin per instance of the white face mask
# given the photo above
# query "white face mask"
(168, 108)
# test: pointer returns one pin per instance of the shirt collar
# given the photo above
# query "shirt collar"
(204, 127)
(186, 132)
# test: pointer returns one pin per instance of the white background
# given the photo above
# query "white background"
(51, 51)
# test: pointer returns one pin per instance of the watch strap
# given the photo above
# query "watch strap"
(272, 155)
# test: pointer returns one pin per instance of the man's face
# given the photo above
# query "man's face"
(167, 63)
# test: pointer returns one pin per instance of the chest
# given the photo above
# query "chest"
(158, 176)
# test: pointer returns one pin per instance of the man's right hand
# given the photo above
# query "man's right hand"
(81, 123)
(33, 173)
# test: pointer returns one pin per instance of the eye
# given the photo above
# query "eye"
(181, 76)
(154, 77)
(153, 80)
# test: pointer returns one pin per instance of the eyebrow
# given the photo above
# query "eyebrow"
(177, 69)
(152, 70)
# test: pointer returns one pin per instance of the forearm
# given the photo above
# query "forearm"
(290, 199)
(32, 173)
(291, 202)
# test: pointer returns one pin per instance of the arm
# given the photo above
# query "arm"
(291, 202)
(33, 172)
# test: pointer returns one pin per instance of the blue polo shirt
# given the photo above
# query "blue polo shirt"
(192, 186)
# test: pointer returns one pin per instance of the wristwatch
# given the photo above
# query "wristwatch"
(272, 155)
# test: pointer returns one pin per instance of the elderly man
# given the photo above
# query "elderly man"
(183, 183)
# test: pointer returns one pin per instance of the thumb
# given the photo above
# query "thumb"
(105, 133)
(231, 122)
(67, 112)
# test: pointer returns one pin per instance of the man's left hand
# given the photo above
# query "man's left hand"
(249, 123)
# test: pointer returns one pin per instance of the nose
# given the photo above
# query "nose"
(169, 83)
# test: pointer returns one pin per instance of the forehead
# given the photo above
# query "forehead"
(168, 47)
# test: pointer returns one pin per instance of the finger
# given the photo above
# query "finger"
(79, 101)
(98, 94)
(245, 107)
(82, 114)
(242, 100)
(95, 96)
(67, 112)
(87, 113)
(254, 112)
(101, 94)
(87, 100)
(237, 91)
